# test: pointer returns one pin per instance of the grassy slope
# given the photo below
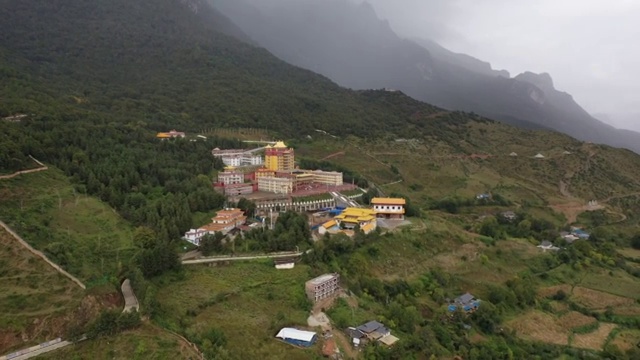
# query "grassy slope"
(249, 302)
(31, 290)
(44, 209)
(146, 342)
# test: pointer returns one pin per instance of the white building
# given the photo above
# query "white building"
(238, 157)
(230, 178)
(275, 185)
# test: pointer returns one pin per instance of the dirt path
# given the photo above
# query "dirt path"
(17, 173)
(332, 155)
(42, 256)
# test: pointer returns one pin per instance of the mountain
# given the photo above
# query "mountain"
(348, 43)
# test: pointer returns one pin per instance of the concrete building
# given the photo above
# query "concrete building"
(224, 221)
(350, 217)
(238, 157)
(279, 157)
(389, 208)
(238, 189)
(275, 185)
(230, 177)
(322, 287)
(333, 178)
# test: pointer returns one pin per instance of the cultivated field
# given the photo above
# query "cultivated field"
(539, 326)
(594, 340)
(627, 339)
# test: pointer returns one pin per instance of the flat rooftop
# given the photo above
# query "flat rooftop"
(322, 278)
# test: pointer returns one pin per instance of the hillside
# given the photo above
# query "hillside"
(99, 79)
(348, 43)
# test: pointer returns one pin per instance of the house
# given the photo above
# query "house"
(224, 221)
(297, 337)
(539, 156)
(230, 177)
(570, 238)
(238, 157)
(513, 154)
(358, 338)
(170, 135)
(581, 234)
(285, 263)
(466, 302)
(322, 287)
(483, 196)
(547, 245)
(372, 331)
(509, 215)
(566, 153)
(389, 208)
(347, 219)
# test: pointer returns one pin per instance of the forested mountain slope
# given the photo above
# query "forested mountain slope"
(349, 43)
(98, 78)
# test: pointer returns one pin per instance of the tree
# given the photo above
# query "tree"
(144, 237)
(635, 242)
(248, 206)
(212, 244)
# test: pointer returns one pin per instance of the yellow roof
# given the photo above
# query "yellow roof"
(163, 135)
(280, 145)
(368, 228)
(329, 224)
(390, 201)
(356, 215)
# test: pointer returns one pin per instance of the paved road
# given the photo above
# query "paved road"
(239, 258)
(39, 351)
(130, 300)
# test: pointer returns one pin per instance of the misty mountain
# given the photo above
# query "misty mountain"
(351, 45)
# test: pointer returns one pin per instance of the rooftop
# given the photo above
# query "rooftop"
(322, 278)
(370, 327)
(390, 201)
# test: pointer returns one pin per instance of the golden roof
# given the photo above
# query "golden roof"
(356, 215)
(280, 145)
(389, 201)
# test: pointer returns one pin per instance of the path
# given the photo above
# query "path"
(130, 299)
(239, 258)
(42, 256)
(41, 168)
(36, 350)
(332, 155)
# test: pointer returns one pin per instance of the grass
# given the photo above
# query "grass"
(80, 233)
(31, 290)
(146, 342)
(249, 301)
(630, 253)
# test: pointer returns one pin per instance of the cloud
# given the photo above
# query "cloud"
(588, 46)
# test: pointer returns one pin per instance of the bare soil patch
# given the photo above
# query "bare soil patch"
(539, 326)
(594, 340)
(594, 299)
(574, 319)
(626, 339)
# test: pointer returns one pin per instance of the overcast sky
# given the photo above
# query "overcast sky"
(591, 48)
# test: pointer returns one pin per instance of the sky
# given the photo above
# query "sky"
(589, 47)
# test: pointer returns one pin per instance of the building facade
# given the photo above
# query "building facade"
(332, 178)
(279, 157)
(275, 185)
(238, 189)
(322, 287)
(389, 208)
(230, 177)
(224, 221)
(238, 157)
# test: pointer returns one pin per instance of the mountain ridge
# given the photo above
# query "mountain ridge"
(359, 50)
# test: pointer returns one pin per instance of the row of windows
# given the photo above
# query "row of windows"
(381, 207)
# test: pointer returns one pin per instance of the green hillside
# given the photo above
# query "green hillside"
(99, 79)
